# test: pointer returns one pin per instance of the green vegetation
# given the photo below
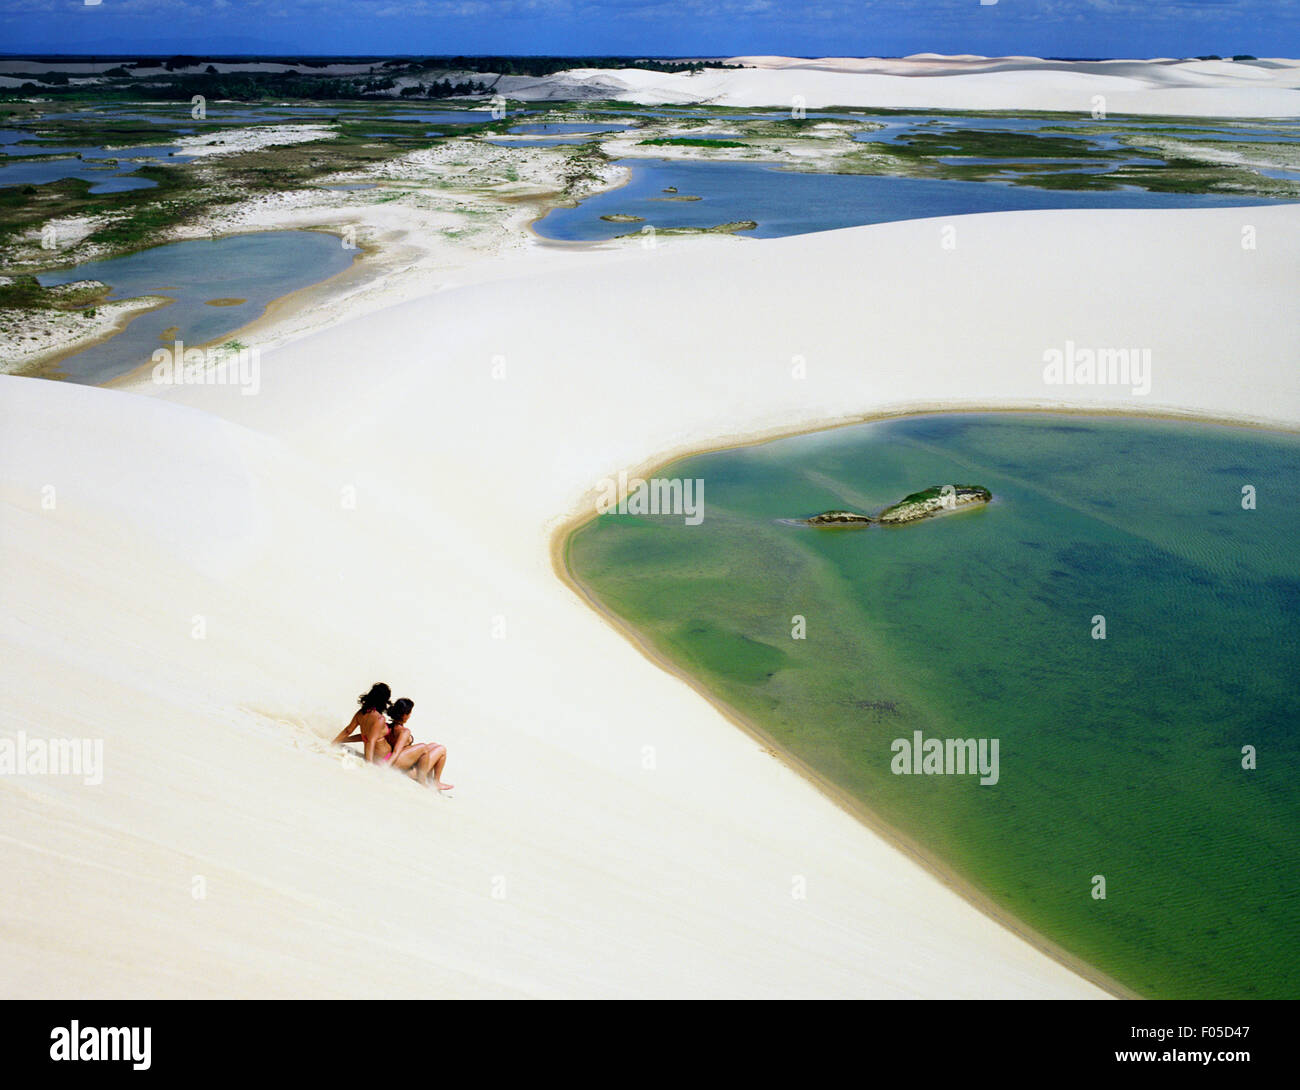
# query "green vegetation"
(135, 219)
(435, 77)
(936, 490)
(130, 219)
(1197, 176)
(582, 168)
(25, 292)
(276, 86)
(994, 145)
(95, 131)
(1011, 158)
(545, 66)
(693, 142)
(933, 500)
(1064, 179)
(371, 131)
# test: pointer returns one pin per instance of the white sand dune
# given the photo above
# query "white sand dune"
(563, 866)
(1156, 87)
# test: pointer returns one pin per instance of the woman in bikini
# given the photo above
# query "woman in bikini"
(387, 739)
(368, 724)
(430, 757)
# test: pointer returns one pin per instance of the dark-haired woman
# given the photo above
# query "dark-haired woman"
(369, 724)
(418, 759)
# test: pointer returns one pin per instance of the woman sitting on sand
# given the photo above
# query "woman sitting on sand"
(387, 739)
(368, 724)
(385, 743)
(432, 757)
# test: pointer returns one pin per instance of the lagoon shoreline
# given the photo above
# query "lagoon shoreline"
(404, 240)
(578, 519)
(619, 866)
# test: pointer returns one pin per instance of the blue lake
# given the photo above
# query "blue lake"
(898, 127)
(786, 202)
(440, 117)
(256, 268)
(562, 128)
(102, 179)
(21, 162)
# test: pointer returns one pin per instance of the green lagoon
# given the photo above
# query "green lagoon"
(1119, 757)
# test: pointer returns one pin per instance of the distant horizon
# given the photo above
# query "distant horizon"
(213, 55)
(1061, 29)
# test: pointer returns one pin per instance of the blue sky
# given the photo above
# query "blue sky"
(1077, 28)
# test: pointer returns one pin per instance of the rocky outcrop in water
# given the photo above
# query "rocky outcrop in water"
(935, 500)
(839, 518)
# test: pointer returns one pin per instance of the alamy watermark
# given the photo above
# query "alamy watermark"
(921, 756)
(225, 365)
(1075, 366)
(113, 1044)
(657, 496)
(23, 756)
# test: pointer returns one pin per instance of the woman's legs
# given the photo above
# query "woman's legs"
(421, 759)
(425, 766)
(410, 760)
(437, 758)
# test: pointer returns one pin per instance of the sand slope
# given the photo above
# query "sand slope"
(609, 878)
(1268, 88)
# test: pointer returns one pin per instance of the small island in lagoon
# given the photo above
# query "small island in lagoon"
(935, 500)
(839, 520)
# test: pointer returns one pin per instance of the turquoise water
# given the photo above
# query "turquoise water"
(786, 202)
(1120, 757)
(257, 268)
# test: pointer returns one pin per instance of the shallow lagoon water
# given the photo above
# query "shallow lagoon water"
(1119, 757)
(88, 151)
(786, 202)
(257, 268)
(102, 179)
(440, 117)
(900, 126)
(169, 113)
(30, 148)
(563, 128)
(541, 142)
(19, 165)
